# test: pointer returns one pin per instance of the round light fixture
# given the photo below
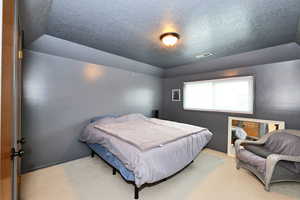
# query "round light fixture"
(169, 39)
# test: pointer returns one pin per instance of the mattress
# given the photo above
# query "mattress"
(112, 160)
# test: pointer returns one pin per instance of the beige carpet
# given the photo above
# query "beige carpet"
(211, 176)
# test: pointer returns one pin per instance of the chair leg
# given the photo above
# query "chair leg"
(136, 192)
(114, 171)
(237, 165)
(270, 167)
(267, 187)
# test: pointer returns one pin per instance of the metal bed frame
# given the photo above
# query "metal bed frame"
(114, 172)
(136, 188)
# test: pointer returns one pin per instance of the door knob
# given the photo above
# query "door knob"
(15, 153)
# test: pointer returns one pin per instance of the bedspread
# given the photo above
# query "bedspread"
(147, 133)
(154, 164)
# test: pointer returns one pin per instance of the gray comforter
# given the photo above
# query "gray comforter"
(147, 133)
(156, 163)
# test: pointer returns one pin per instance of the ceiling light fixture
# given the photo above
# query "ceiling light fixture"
(169, 39)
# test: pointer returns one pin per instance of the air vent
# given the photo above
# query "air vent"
(203, 55)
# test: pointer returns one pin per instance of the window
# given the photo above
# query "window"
(234, 95)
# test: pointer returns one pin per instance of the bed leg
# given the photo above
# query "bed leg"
(136, 192)
(92, 154)
(114, 171)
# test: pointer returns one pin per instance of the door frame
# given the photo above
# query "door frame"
(6, 108)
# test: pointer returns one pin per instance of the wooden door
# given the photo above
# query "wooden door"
(18, 141)
(7, 64)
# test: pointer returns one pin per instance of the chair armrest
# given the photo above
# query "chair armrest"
(272, 161)
(239, 143)
(261, 141)
(258, 142)
(252, 138)
(274, 158)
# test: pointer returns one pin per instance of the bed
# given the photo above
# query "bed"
(123, 143)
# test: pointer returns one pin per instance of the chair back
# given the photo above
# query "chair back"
(293, 132)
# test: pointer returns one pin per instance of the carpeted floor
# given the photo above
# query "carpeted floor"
(211, 176)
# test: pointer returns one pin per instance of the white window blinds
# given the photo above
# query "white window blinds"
(234, 95)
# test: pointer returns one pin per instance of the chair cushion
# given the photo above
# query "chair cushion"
(259, 163)
(259, 150)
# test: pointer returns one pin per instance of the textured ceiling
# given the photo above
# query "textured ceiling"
(34, 15)
(132, 28)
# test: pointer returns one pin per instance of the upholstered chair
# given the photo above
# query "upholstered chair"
(273, 158)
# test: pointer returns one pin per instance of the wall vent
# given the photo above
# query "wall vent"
(204, 55)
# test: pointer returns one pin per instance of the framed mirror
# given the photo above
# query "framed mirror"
(249, 129)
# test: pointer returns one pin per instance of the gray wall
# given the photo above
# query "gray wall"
(61, 94)
(298, 33)
(277, 97)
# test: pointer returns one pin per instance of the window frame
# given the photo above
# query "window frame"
(252, 98)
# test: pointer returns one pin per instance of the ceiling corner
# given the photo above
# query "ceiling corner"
(34, 15)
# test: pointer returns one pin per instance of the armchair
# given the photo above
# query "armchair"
(273, 158)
